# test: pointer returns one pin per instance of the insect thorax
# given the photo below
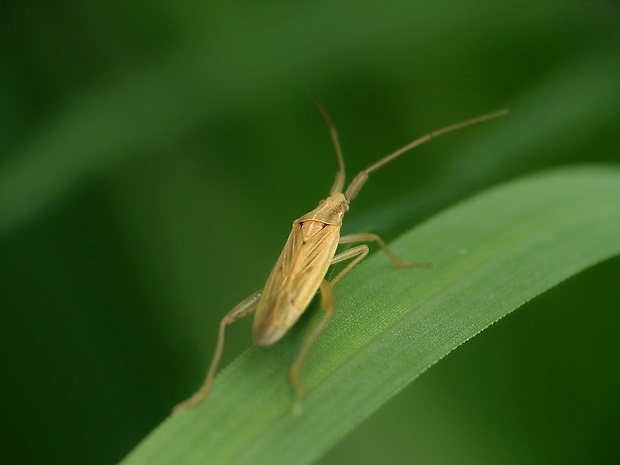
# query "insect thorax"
(329, 211)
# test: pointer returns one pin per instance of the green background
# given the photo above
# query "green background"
(153, 156)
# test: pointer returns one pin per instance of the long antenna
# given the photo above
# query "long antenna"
(340, 176)
(361, 178)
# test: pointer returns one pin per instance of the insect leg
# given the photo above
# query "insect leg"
(327, 302)
(359, 252)
(242, 309)
(367, 237)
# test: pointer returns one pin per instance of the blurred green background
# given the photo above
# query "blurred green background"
(154, 154)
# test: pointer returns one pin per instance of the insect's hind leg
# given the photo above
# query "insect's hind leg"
(242, 309)
(328, 303)
(357, 254)
(368, 237)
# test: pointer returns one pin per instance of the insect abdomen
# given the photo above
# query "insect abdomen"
(293, 281)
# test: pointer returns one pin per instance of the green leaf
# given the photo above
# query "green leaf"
(490, 255)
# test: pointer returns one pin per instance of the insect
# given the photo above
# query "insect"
(304, 261)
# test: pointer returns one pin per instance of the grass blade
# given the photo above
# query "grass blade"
(490, 255)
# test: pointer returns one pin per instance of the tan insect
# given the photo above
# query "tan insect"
(301, 268)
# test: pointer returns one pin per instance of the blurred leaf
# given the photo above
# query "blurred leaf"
(164, 101)
(490, 255)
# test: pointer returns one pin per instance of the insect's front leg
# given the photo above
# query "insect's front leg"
(242, 309)
(357, 253)
(368, 237)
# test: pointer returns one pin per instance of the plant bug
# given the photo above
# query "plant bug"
(303, 263)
